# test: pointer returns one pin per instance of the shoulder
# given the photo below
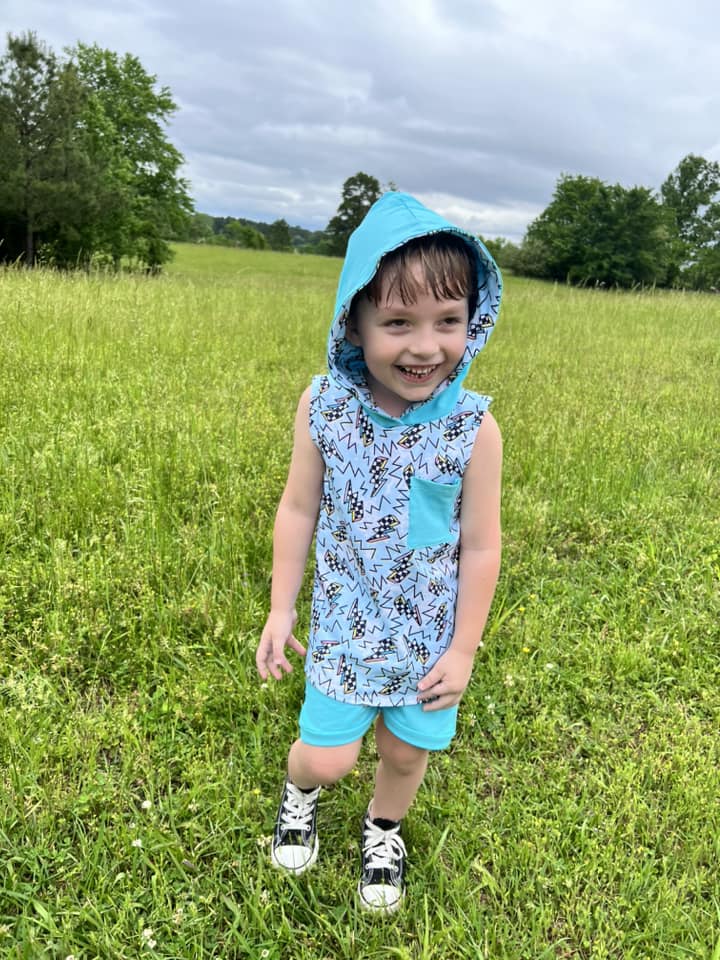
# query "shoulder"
(305, 400)
(486, 456)
(304, 441)
(482, 481)
(488, 434)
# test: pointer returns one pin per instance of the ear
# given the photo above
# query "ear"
(352, 334)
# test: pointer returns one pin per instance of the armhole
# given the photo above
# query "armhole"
(318, 386)
(478, 405)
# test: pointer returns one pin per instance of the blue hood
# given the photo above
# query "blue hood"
(391, 221)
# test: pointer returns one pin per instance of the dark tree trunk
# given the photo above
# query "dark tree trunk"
(29, 245)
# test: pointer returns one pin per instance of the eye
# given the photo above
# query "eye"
(395, 323)
(452, 321)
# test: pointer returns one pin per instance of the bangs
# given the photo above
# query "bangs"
(447, 270)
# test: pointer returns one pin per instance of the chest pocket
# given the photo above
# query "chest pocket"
(431, 509)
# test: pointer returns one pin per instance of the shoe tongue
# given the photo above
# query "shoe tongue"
(385, 824)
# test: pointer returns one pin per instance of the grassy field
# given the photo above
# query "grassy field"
(145, 429)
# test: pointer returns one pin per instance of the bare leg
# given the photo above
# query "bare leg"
(310, 766)
(399, 774)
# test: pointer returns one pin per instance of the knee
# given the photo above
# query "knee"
(323, 765)
(401, 756)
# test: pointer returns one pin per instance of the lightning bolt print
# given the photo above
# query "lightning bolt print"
(364, 427)
(378, 471)
(353, 501)
(381, 610)
(384, 528)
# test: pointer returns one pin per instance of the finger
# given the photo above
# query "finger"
(433, 689)
(439, 703)
(295, 645)
(261, 657)
(276, 668)
(428, 682)
(280, 662)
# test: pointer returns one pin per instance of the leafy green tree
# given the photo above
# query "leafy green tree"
(691, 194)
(144, 198)
(199, 228)
(358, 195)
(46, 176)
(596, 233)
(87, 169)
(502, 251)
(243, 235)
(278, 236)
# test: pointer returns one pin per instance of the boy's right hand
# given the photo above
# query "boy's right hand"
(277, 634)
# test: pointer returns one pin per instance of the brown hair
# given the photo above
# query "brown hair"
(447, 266)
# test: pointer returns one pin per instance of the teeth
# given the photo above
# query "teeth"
(419, 371)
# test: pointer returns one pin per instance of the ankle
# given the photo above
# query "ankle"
(382, 819)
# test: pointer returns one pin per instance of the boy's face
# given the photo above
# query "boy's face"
(408, 349)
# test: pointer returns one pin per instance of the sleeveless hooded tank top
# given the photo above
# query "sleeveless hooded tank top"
(387, 538)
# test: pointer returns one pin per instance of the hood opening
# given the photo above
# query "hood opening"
(395, 224)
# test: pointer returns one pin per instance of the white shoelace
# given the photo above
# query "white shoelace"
(298, 808)
(383, 848)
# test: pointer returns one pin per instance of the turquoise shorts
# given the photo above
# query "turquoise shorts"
(326, 722)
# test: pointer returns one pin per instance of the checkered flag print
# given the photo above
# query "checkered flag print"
(378, 474)
(411, 436)
(383, 528)
(357, 511)
(380, 651)
(420, 651)
(364, 426)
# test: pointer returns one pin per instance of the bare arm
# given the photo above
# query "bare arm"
(480, 548)
(292, 535)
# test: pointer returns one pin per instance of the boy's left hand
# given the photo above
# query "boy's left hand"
(445, 684)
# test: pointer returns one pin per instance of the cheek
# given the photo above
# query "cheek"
(461, 344)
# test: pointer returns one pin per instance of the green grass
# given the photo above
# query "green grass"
(145, 429)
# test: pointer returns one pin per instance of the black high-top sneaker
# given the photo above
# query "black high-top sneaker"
(381, 885)
(295, 841)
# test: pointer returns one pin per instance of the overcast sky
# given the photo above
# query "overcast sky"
(474, 106)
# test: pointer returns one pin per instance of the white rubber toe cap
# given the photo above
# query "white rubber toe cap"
(380, 897)
(294, 858)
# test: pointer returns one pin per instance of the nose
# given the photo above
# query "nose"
(424, 344)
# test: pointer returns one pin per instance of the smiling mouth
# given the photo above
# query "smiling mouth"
(418, 374)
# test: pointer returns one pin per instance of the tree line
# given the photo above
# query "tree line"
(359, 192)
(89, 176)
(591, 233)
(599, 234)
(250, 234)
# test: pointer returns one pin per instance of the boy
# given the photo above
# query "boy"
(406, 567)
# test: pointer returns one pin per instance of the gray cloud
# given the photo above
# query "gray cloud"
(478, 107)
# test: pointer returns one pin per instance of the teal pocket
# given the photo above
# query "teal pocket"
(431, 511)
